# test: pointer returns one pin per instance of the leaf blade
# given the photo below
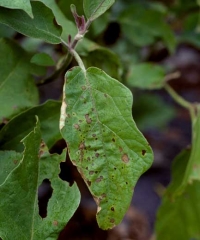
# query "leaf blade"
(98, 146)
(94, 9)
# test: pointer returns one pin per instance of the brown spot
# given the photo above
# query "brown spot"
(113, 140)
(143, 152)
(103, 195)
(115, 168)
(91, 172)
(105, 95)
(88, 158)
(15, 161)
(112, 220)
(99, 179)
(76, 126)
(120, 149)
(55, 223)
(80, 121)
(96, 154)
(88, 119)
(82, 146)
(83, 87)
(125, 158)
(112, 209)
(94, 135)
(89, 183)
(92, 109)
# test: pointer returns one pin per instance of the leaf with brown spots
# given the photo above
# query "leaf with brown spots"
(107, 148)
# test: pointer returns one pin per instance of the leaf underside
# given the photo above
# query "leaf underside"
(103, 140)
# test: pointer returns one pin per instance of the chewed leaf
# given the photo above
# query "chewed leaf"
(103, 140)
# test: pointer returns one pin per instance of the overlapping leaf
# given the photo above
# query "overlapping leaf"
(18, 199)
(48, 114)
(42, 26)
(17, 88)
(18, 4)
(103, 140)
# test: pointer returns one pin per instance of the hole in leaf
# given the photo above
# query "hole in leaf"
(143, 152)
(44, 194)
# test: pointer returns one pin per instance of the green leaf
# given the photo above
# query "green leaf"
(142, 26)
(42, 26)
(105, 59)
(94, 9)
(103, 140)
(42, 59)
(17, 88)
(8, 161)
(178, 218)
(146, 76)
(48, 113)
(18, 199)
(150, 111)
(18, 4)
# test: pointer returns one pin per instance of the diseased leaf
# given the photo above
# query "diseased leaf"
(18, 199)
(146, 76)
(94, 9)
(42, 26)
(48, 114)
(182, 212)
(42, 59)
(103, 140)
(18, 4)
(16, 82)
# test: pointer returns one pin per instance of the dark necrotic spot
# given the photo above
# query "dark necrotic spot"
(143, 152)
(112, 209)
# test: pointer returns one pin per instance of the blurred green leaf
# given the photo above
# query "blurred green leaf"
(105, 59)
(142, 26)
(42, 26)
(48, 114)
(150, 111)
(18, 199)
(109, 157)
(6, 32)
(182, 212)
(94, 9)
(18, 4)
(17, 88)
(42, 59)
(146, 76)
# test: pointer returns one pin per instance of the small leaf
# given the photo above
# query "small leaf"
(103, 140)
(17, 88)
(48, 114)
(18, 199)
(42, 26)
(18, 4)
(94, 9)
(42, 59)
(146, 76)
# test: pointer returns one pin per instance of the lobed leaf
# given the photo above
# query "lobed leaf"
(103, 140)
(18, 4)
(18, 199)
(48, 114)
(42, 26)
(94, 9)
(146, 76)
(16, 82)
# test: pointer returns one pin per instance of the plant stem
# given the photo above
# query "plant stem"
(181, 101)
